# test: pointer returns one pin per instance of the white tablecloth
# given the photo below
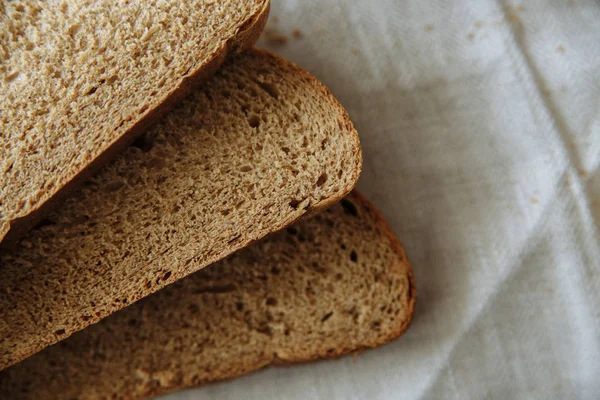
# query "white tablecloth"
(480, 126)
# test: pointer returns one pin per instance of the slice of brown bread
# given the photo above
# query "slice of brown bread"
(335, 283)
(261, 145)
(81, 78)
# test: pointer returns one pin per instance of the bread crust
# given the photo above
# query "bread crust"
(246, 37)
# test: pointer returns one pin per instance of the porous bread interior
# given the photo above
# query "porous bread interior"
(261, 144)
(326, 286)
(75, 75)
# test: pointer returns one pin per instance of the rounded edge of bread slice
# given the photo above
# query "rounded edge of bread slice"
(402, 263)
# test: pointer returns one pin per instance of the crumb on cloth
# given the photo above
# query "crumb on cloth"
(275, 38)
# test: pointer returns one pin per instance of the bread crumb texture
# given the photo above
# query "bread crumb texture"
(261, 145)
(333, 284)
(76, 75)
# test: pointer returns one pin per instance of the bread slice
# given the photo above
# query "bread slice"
(329, 285)
(261, 145)
(81, 78)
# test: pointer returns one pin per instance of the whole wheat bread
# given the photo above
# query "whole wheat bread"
(262, 144)
(329, 285)
(81, 78)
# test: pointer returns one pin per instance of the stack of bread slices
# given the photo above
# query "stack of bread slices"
(144, 147)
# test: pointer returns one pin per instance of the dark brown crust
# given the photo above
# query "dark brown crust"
(387, 232)
(178, 274)
(245, 38)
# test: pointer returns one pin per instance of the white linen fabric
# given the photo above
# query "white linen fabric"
(480, 126)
